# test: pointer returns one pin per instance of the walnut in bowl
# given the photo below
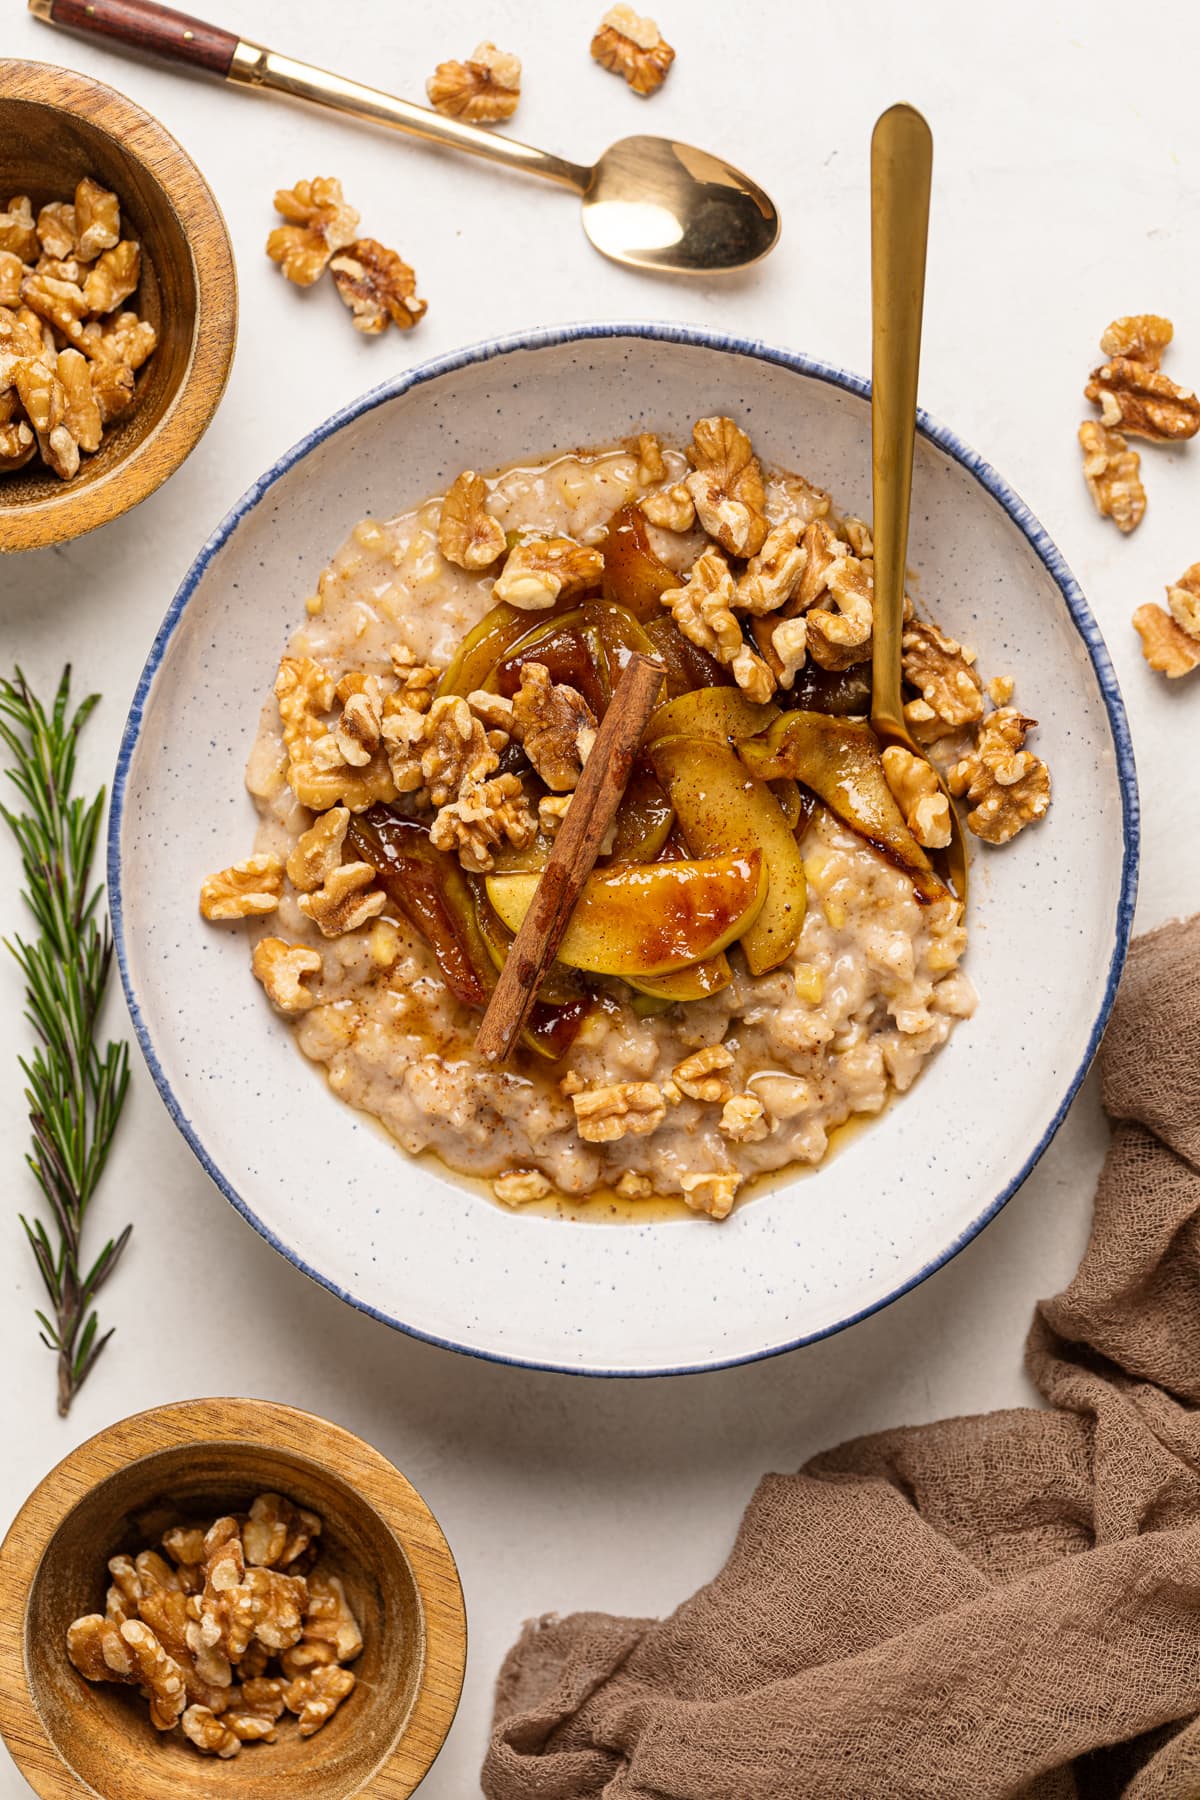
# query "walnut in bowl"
(59, 129)
(131, 1486)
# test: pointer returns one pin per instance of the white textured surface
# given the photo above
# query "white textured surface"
(1063, 196)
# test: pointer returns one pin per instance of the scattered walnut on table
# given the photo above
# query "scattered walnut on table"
(633, 47)
(1171, 639)
(545, 570)
(555, 725)
(1008, 786)
(246, 889)
(918, 794)
(378, 286)
(1142, 401)
(621, 1109)
(726, 486)
(468, 535)
(1141, 337)
(482, 90)
(319, 223)
(1111, 470)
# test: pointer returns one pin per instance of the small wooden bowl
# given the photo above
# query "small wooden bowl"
(55, 127)
(121, 1491)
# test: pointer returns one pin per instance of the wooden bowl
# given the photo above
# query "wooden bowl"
(55, 127)
(121, 1491)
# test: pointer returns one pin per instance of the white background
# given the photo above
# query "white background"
(1067, 191)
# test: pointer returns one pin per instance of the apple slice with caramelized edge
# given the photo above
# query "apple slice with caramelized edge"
(718, 713)
(721, 809)
(840, 761)
(646, 919)
(695, 982)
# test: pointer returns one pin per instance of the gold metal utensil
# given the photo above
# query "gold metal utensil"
(647, 201)
(901, 170)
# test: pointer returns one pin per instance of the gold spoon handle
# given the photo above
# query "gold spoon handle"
(144, 25)
(901, 168)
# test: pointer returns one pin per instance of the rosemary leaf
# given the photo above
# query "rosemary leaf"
(74, 1089)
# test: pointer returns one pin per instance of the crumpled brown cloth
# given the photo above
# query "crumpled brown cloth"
(1002, 1605)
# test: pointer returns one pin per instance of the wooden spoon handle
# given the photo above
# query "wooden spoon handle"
(144, 26)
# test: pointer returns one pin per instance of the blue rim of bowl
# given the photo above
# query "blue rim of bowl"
(697, 337)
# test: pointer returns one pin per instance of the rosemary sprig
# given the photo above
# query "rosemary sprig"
(74, 1090)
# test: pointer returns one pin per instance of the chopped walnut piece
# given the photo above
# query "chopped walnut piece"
(517, 1187)
(125, 340)
(672, 508)
(753, 675)
(482, 90)
(157, 1672)
(317, 852)
(316, 1697)
(1110, 469)
(359, 733)
(633, 47)
(942, 673)
(12, 274)
(319, 223)
(96, 217)
(632, 1186)
(184, 1544)
(544, 570)
(82, 416)
(56, 230)
(277, 1534)
(727, 487)
(244, 890)
(378, 286)
(417, 680)
(744, 1120)
(623, 1109)
(1000, 689)
(1141, 337)
(1008, 787)
(784, 646)
(650, 465)
(703, 607)
(918, 794)
(17, 445)
(697, 1075)
(555, 725)
(62, 304)
(17, 230)
(836, 592)
(282, 968)
(772, 578)
(456, 752)
(1166, 646)
(343, 903)
(95, 1648)
(1143, 401)
(113, 277)
(552, 810)
(329, 1618)
(485, 815)
(711, 1194)
(467, 533)
(1183, 598)
(204, 1729)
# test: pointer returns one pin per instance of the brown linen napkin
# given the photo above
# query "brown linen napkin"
(1001, 1605)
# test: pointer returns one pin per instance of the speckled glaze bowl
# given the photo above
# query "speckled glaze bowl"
(404, 1240)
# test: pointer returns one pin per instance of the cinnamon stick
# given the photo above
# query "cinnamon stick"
(593, 804)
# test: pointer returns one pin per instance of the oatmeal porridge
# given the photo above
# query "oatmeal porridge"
(766, 947)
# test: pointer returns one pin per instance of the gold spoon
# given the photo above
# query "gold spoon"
(647, 201)
(901, 170)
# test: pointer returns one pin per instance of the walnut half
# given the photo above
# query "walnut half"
(378, 286)
(633, 47)
(483, 90)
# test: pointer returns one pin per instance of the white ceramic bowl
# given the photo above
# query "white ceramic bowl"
(402, 1239)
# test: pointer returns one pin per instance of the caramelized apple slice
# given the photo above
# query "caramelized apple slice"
(634, 577)
(723, 809)
(644, 819)
(695, 982)
(687, 666)
(648, 919)
(840, 761)
(719, 713)
(482, 648)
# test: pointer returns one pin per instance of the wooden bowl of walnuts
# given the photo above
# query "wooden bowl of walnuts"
(227, 1597)
(117, 326)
